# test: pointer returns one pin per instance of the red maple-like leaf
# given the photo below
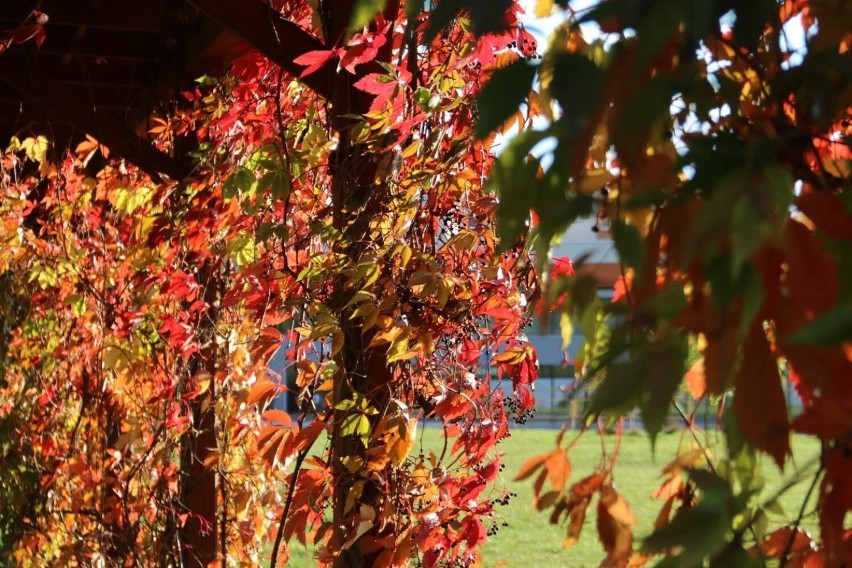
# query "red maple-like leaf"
(314, 60)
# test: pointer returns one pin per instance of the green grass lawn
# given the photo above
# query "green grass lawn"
(529, 540)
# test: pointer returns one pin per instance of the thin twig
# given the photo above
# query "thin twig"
(789, 546)
(288, 503)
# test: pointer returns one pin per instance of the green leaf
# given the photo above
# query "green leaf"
(643, 111)
(669, 301)
(658, 25)
(241, 181)
(628, 243)
(752, 19)
(701, 531)
(363, 13)
(36, 148)
(363, 426)
(278, 182)
(505, 92)
(830, 329)
(747, 233)
(350, 424)
(488, 15)
(577, 85)
(422, 96)
(665, 368)
(413, 8)
(648, 380)
(752, 286)
(514, 176)
(243, 249)
(620, 390)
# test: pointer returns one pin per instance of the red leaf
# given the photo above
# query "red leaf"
(314, 61)
(827, 212)
(473, 531)
(759, 401)
(811, 272)
(836, 501)
(779, 541)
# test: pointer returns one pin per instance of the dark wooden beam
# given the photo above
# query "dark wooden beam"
(280, 40)
(62, 103)
(89, 70)
(106, 44)
(120, 15)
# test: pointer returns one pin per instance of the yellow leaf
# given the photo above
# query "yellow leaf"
(595, 180)
(114, 358)
(399, 350)
(386, 336)
(402, 446)
(566, 328)
(543, 8)
(404, 256)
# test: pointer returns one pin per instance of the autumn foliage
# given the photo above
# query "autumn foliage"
(350, 229)
(346, 207)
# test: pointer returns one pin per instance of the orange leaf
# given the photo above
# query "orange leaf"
(617, 506)
(402, 446)
(530, 466)
(588, 485)
(577, 517)
(272, 443)
(664, 514)
(759, 401)
(307, 372)
(558, 469)
(614, 521)
(670, 487)
(538, 485)
(685, 460)
(262, 391)
(696, 380)
(279, 416)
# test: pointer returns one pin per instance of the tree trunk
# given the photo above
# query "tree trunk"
(199, 533)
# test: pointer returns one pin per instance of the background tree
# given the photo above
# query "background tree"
(719, 150)
(336, 205)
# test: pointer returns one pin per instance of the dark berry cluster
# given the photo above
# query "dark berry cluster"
(519, 415)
